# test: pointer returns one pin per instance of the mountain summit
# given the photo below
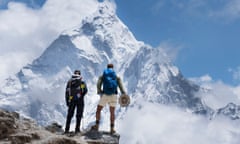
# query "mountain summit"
(37, 90)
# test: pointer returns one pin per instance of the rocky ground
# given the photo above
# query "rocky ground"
(15, 129)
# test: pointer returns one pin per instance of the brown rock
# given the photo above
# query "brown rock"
(7, 124)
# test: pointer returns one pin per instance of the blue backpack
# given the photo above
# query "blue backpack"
(109, 81)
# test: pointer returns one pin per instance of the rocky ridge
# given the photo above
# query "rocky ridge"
(16, 129)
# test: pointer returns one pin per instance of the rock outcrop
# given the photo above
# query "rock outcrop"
(15, 129)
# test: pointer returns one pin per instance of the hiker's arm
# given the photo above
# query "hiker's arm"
(67, 93)
(99, 85)
(119, 81)
(85, 89)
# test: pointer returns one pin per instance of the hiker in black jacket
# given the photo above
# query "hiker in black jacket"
(75, 91)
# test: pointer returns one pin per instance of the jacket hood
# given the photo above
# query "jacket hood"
(74, 77)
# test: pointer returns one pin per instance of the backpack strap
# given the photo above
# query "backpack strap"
(99, 84)
(68, 92)
(69, 87)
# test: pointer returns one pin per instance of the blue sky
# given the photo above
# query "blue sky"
(205, 34)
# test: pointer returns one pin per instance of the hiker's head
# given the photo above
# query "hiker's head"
(110, 66)
(77, 72)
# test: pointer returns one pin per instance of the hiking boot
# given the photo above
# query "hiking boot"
(112, 131)
(77, 131)
(95, 127)
(65, 132)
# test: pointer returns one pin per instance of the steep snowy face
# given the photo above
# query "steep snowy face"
(101, 38)
(104, 38)
(152, 77)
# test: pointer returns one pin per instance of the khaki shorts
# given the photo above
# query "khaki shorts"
(108, 99)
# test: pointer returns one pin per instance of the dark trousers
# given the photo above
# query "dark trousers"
(80, 106)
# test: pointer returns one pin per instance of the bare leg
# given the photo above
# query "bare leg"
(98, 113)
(98, 116)
(112, 114)
(112, 119)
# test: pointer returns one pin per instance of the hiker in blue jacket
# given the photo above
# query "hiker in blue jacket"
(110, 81)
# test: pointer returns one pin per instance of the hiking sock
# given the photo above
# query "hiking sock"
(97, 122)
(96, 126)
(112, 129)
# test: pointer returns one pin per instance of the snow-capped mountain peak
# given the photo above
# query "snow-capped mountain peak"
(101, 38)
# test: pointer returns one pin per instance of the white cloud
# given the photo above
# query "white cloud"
(171, 49)
(220, 95)
(156, 124)
(189, 7)
(157, 6)
(235, 73)
(224, 9)
(26, 32)
(217, 94)
(236, 91)
(230, 10)
(203, 79)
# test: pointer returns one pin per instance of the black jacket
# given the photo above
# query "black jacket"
(76, 89)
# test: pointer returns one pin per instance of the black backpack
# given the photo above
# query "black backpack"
(77, 88)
